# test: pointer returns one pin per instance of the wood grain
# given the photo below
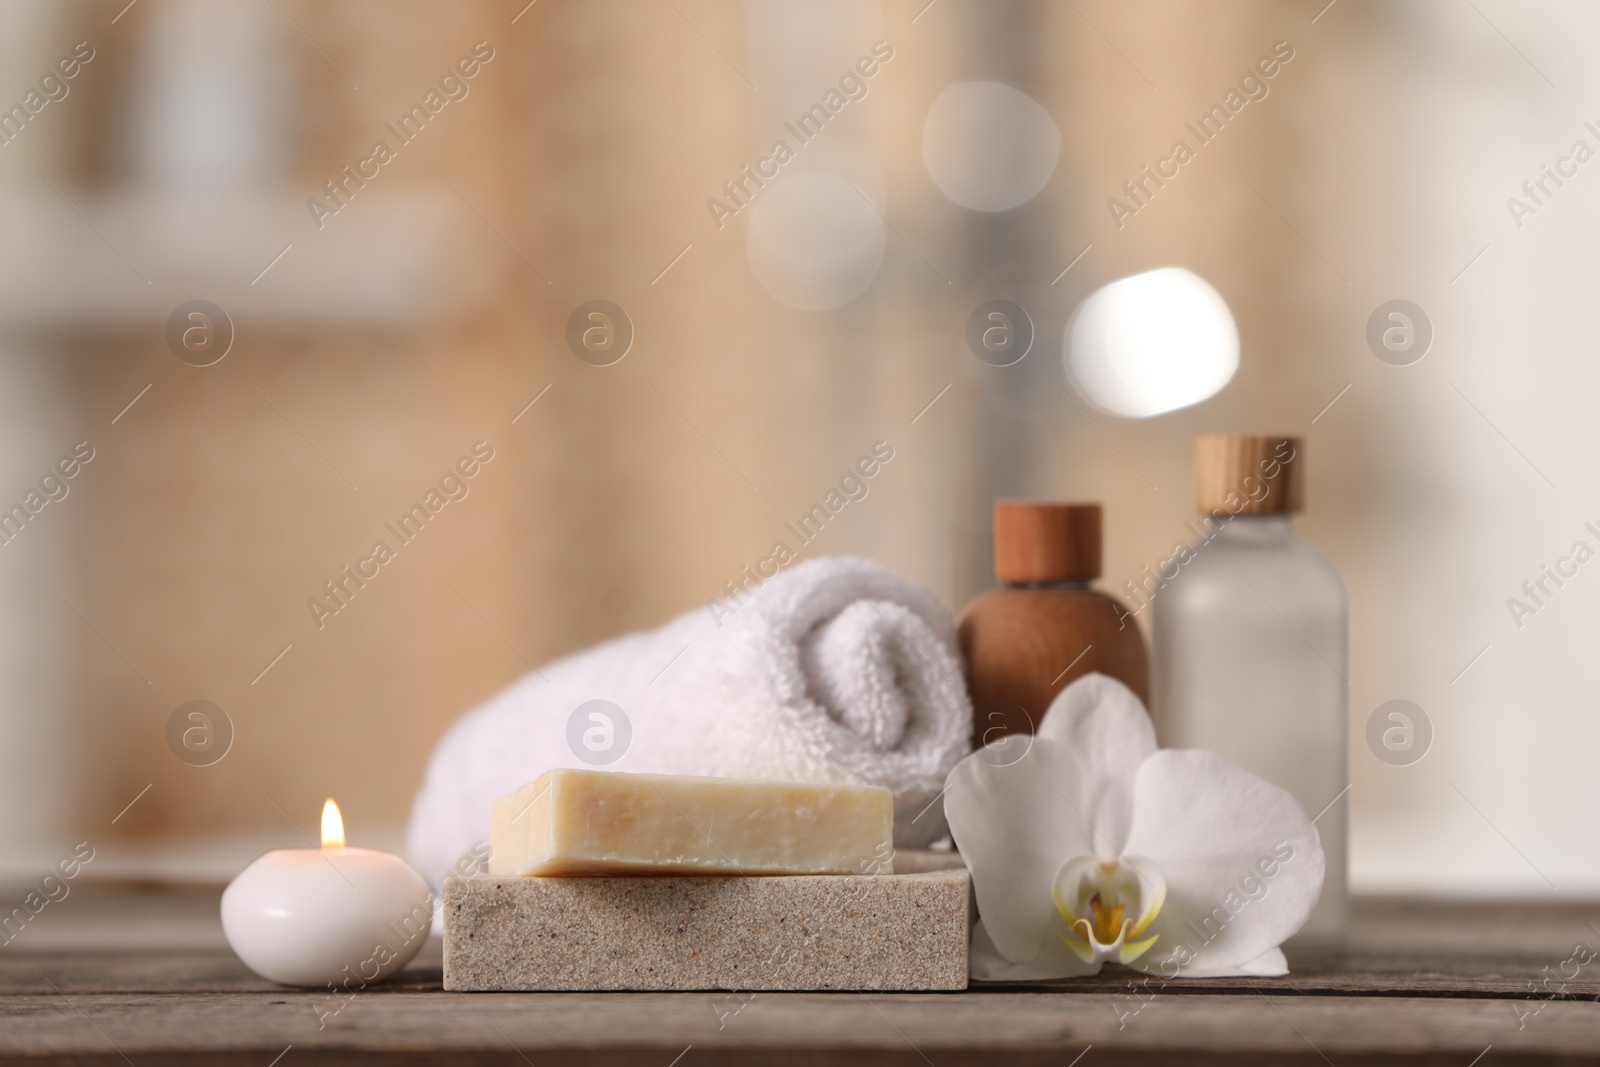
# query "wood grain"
(1039, 541)
(1431, 997)
(1249, 475)
(955, 1028)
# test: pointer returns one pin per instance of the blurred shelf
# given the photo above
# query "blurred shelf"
(1424, 982)
(194, 859)
(84, 262)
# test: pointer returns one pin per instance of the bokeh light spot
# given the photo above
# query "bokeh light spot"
(814, 241)
(989, 147)
(1151, 343)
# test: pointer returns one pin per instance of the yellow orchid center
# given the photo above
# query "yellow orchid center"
(1107, 925)
(1107, 904)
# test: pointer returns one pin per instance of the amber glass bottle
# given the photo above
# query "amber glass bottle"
(1043, 627)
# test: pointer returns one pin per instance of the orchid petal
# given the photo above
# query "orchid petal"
(1152, 893)
(1081, 942)
(1130, 951)
(1054, 960)
(1013, 827)
(1107, 733)
(1243, 864)
(1267, 965)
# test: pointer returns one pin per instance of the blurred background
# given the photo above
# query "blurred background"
(368, 343)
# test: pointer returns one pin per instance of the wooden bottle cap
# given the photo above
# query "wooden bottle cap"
(1038, 541)
(1248, 475)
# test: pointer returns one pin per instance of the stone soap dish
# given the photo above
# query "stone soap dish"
(892, 932)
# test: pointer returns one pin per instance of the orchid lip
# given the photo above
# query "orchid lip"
(1107, 904)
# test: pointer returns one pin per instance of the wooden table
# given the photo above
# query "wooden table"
(143, 978)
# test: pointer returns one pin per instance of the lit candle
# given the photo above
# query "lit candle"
(315, 916)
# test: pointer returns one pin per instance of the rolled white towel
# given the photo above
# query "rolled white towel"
(836, 670)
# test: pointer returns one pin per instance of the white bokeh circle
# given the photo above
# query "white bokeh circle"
(1151, 343)
(814, 242)
(989, 147)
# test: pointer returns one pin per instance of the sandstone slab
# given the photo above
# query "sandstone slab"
(803, 932)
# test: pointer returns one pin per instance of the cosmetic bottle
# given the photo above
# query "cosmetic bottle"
(1251, 642)
(1044, 626)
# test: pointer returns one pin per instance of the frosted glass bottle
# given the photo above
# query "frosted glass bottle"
(1251, 646)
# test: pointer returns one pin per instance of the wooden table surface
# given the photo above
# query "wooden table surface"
(142, 977)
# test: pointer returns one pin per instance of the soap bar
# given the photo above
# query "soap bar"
(576, 822)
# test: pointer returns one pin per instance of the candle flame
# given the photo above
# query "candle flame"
(332, 825)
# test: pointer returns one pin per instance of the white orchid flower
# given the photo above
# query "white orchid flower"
(1088, 844)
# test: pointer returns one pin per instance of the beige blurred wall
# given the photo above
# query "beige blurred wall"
(602, 509)
(433, 309)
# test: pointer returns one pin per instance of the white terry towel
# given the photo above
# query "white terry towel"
(836, 670)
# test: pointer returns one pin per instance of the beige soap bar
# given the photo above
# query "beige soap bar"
(572, 822)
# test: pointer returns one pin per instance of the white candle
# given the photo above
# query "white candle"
(315, 916)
